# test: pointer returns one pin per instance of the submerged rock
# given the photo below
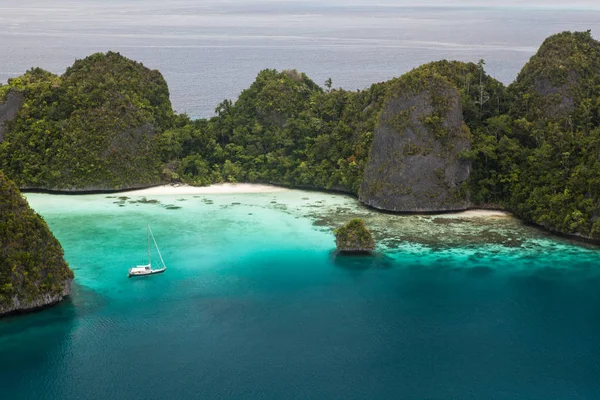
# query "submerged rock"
(354, 237)
(33, 272)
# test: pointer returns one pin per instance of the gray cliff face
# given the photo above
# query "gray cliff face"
(414, 164)
(18, 306)
(9, 110)
(558, 100)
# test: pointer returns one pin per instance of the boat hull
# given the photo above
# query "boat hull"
(153, 272)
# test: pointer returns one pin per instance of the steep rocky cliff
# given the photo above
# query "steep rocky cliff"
(8, 111)
(33, 272)
(415, 161)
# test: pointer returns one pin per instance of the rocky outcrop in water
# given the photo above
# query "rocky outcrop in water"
(415, 161)
(33, 272)
(354, 237)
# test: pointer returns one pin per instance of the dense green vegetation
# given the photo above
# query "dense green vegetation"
(354, 237)
(285, 129)
(107, 122)
(540, 156)
(91, 128)
(32, 266)
(555, 116)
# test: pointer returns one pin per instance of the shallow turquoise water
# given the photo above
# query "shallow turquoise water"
(255, 306)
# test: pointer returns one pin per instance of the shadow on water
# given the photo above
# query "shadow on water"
(17, 324)
(35, 343)
(30, 343)
(46, 326)
(361, 262)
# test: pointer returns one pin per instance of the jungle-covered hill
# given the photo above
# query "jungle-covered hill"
(33, 272)
(445, 136)
(91, 128)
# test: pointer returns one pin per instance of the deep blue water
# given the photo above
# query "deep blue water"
(255, 306)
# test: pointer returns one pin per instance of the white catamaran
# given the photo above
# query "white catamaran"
(143, 270)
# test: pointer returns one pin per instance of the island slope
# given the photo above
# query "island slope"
(556, 116)
(33, 272)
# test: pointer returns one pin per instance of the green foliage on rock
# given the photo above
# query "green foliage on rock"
(91, 128)
(539, 156)
(415, 160)
(560, 83)
(33, 272)
(354, 237)
(285, 129)
(556, 118)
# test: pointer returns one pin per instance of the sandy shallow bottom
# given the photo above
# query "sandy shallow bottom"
(477, 213)
(222, 217)
(251, 188)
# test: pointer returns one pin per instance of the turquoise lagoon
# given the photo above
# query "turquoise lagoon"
(255, 305)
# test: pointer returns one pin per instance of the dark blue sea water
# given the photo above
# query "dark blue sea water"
(210, 50)
(255, 306)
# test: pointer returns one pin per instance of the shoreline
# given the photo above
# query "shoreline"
(258, 188)
(221, 188)
(476, 213)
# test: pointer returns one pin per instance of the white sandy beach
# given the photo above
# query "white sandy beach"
(241, 188)
(476, 213)
(223, 188)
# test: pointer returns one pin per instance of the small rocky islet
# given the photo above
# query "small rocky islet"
(445, 136)
(354, 237)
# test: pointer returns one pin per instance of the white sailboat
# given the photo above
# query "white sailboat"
(144, 270)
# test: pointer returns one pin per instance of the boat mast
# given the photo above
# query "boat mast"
(157, 249)
(148, 235)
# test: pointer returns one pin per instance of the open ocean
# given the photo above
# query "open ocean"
(254, 305)
(211, 50)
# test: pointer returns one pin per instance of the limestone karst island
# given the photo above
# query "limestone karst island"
(252, 167)
(354, 237)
